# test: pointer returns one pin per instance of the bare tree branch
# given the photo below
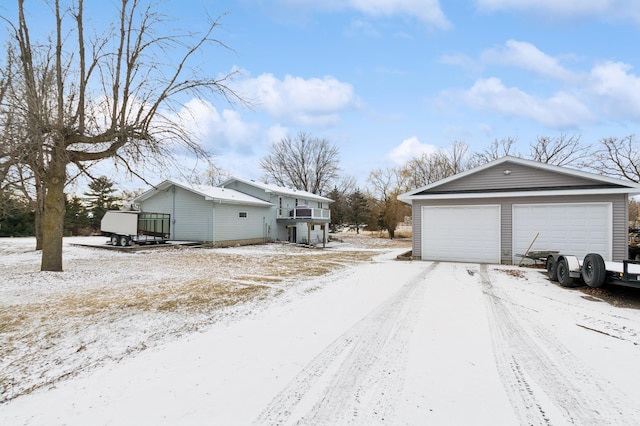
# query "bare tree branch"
(304, 163)
(618, 157)
(120, 95)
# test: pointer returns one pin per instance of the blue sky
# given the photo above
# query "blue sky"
(387, 80)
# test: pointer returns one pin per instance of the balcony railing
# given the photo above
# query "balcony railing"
(302, 212)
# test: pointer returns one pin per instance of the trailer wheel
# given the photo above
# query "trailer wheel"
(124, 240)
(552, 269)
(593, 270)
(562, 269)
(114, 240)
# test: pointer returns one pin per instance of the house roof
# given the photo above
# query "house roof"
(280, 190)
(590, 183)
(213, 193)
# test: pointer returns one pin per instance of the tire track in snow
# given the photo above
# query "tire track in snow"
(358, 376)
(543, 379)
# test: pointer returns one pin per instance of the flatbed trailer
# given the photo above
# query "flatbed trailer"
(593, 270)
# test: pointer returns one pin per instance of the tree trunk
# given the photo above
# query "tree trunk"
(39, 212)
(53, 218)
(392, 233)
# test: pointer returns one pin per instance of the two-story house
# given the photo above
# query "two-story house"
(239, 212)
(297, 216)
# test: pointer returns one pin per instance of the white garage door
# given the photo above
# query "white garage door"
(461, 233)
(576, 228)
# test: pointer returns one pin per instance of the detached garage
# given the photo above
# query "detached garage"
(494, 213)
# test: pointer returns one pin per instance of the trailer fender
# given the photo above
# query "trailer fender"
(566, 270)
(574, 265)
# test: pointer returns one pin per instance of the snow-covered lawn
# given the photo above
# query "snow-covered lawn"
(109, 304)
(359, 338)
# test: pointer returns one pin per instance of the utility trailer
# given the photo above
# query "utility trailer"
(570, 271)
(127, 227)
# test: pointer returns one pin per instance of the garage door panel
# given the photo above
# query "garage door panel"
(576, 228)
(461, 233)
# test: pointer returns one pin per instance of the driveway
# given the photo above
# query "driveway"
(386, 342)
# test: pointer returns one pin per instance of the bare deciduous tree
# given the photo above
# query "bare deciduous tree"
(619, 158)
(304, 163)
(560, 151)
(84, 99)
(387, 184)
(212, 176)
(497, 149)
(432, 167)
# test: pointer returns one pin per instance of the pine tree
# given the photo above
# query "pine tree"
(338, 208)
(76, 218)
(358, 209)
(100, 198)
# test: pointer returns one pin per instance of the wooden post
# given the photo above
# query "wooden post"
(527, 252)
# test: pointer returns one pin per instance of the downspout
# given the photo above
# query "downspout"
(213, 230)
(213, 224)
(173, 213)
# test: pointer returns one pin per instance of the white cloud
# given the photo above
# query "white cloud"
(428, 11)
(218, 132)
(527, 56)
(560, 110)
(410, 148)
(306, 102)
(361, 27)
(599, 9)
(462, 61)
(616, 88)
(276, 133)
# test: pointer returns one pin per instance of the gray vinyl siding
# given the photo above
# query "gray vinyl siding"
(161, 202)
(619, 217)
(520, 177)
(231, 227)
(252, 190)
(193, 217)
(287, 200)
(191, 214)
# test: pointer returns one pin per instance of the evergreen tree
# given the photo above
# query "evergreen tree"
(100, 198)
(338, 208)
(358, 212)
(76, 218)
(17, 218)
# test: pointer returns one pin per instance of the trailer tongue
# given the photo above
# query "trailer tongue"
(570, 271)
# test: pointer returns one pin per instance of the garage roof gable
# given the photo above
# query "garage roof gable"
(511, 176)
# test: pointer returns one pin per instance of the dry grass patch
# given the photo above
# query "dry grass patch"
(109, 307)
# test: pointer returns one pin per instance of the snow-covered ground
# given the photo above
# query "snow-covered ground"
(376, 341)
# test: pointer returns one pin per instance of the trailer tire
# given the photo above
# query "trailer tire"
(552, 268)
(593, 271)
(562, 270)
(124, 240)
(114, 240)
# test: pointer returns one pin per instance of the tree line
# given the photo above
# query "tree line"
(312, 164)
(119, 93)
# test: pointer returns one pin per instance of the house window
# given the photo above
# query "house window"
(242, 214)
